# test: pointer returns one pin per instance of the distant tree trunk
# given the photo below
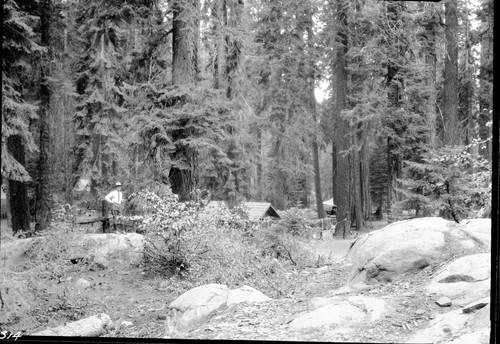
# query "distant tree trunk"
(314, 115)
(334, 171)
(394, 95)
(357, 183)
(234, 46)
(18, 191)
(184, 64)
(470, 130)
(43, 187)
(430, 61)
(486, 77)
(342, 127)
(219, 15)
(259, 167)
(365, 180)
(450, 108)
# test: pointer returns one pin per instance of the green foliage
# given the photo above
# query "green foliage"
(450, 180)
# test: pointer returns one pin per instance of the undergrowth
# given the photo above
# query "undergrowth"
(195, 243)
(46, 300)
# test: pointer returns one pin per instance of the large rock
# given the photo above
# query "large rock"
(349, 312)
(480, 319)
(478, 229)
(196, 305)
(456, 327)
(245, 294)
(404, 246)
(110, 250)
(342, 313)
(442, 329)
(478, 337)
(93, 326)
(464, 280)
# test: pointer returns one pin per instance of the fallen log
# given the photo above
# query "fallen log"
(92, 326)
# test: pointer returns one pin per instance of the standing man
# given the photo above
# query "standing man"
(113, 202)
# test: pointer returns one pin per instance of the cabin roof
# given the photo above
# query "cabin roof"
(256, 210)
(259, 210)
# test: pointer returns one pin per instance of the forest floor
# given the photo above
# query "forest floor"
(136, 302)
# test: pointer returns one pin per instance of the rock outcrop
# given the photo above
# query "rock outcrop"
(346, 312)
(407, 246)
(383, 255)
(110, 250)
(464, 280)
(196, 305)
(93, 326)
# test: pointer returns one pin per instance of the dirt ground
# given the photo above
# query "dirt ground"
(136, 302)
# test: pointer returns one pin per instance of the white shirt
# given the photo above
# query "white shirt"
(114, 196)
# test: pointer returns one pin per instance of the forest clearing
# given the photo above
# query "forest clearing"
(248, 169)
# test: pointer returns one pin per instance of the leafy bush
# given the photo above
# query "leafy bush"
(450, 180)
(198, 243)
(297, 222)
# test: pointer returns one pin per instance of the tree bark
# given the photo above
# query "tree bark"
(394, 95)
(430, 60)
(342, 128)
(18, 191)
(452, 127)
(184, 42)
(486, 78)
(184, 65)
(219, 16)
(43, 187)
(314, 114)
(357, 183)
(365, 181)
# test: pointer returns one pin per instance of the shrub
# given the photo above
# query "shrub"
(450, 180)
(194, 243)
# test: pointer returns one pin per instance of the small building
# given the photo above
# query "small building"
(259, 210)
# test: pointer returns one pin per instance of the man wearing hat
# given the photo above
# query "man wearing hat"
(113, 201)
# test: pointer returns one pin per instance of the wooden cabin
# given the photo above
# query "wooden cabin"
(260, 210)
(257, 211)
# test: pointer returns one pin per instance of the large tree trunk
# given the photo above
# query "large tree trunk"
(184, 64)
(342, 127)
(18, 191)
(452, 126)
(43, 187)
(184, 42)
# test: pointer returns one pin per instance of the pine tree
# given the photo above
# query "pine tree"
(43, 183)
(17, 48)
(100, 112)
